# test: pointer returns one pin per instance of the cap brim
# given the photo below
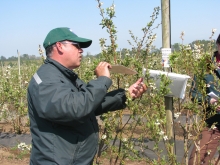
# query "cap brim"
(83, 42)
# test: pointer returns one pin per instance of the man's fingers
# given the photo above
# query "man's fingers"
(139, 81)
(143, 86)
(103, 69)
(105, 64)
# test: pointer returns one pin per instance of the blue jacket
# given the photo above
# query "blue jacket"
(62, 110)
(212, 85)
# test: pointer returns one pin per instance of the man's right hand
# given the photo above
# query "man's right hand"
(213, 101)
(103, 69)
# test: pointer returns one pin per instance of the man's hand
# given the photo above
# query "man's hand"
(214, 102)
(103, 69)
(137, 89)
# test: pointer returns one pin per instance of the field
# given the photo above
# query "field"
(135, 135)
(12, 155)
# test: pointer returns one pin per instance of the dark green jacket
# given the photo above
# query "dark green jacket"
(212, 85)
(63, 110)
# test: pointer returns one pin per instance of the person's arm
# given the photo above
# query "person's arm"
(113, 100)
(58, 103)
(196, 94)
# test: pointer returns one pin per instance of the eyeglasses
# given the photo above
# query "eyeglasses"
(72, 43)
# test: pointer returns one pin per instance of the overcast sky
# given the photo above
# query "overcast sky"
(25, 24)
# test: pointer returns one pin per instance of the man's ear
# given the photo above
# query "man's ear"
(59, 47)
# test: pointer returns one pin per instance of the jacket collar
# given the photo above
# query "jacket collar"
(214, 56)
(215, 53)
(67, 72)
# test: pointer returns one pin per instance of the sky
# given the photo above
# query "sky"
(24, 24)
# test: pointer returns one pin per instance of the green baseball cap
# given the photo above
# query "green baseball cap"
(65, 33)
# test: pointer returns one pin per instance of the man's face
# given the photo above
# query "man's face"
(72, 53)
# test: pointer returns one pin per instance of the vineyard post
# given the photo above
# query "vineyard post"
(19, 64)
(2, 68)
(166, 50)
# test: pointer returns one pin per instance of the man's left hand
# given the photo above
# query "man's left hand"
(137, 89)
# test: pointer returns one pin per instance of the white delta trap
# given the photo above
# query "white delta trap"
(177, 86)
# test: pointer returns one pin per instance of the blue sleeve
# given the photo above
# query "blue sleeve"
(196, 94)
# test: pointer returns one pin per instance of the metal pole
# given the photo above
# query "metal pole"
(165, 6)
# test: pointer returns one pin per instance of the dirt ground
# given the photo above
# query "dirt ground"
(13, 156)
(9, 157)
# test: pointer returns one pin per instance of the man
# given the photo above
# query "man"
(209, 140)
(63, 109)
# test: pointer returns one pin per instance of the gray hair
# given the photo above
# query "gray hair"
(49, 50)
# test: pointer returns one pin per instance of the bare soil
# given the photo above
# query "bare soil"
(9, 156)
